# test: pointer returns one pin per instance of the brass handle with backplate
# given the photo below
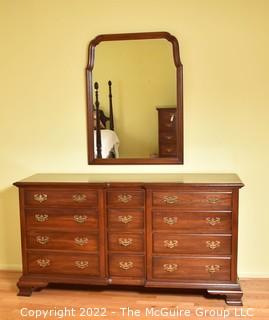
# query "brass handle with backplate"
(125, 219)
(81, 264)
(213, 221)
(170, 199)
(125, 241)
(42, 239)
(170, 267)
(80, 218)
(81, 241)
(40, 197)
(80, 197)
(212, 268)
(213, 200)
(170, 220)
(170, 243)
(213, 244)
(124, 198)
(41, 217)
(126, 265)
(43, 263)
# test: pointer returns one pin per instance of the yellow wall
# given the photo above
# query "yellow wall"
(143, 76)
(224, 50)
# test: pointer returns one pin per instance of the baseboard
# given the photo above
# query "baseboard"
(11, 267)
(253, 275)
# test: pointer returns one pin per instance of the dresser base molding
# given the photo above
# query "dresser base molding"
(231, 291)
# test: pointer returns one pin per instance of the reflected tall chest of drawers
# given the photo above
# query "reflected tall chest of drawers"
(167, 134)
(156, 230)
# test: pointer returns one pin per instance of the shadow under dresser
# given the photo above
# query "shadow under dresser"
(154, 230)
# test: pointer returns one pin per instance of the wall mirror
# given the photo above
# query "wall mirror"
(135, 99)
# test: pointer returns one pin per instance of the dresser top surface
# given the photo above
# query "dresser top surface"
(175, 178)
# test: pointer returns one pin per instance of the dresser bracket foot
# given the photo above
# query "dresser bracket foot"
(232, 297)
(26, 287)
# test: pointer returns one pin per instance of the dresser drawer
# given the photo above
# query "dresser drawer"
(78, 241)
(192, 222)
(120, 241)
(63, 219)
(61, 197)
(125, 198)
(191, 268)
(193, 200)
(58, 263)
(167, 137)
(126, 219)
(168, 150)
(167, 120)
(122, 265)
(191, 244)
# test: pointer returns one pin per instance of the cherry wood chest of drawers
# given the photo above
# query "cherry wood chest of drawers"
(167, 132)
(167, 231)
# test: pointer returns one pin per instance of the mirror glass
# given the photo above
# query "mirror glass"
(133, 97)
(143, 77)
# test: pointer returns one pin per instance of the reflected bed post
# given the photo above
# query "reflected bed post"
(111, 123)
(98, 132)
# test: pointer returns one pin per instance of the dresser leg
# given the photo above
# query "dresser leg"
(232, 297)
(25, 292)
(26, 287)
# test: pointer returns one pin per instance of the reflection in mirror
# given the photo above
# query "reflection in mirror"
(134, 97)
(143, 75)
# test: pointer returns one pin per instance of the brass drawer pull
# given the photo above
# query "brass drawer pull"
(126, 265)
(80, 219)
(212, 268)
(172, 117)
(81, 241)
(43, 263)
(42, 239)
(168, 150)
(213, 200)
(125, 241)
(169, 137)
(170, 267)
(213, 221)
(80, 197)
(170, 220)
(40, 197)
(170, 199)
(213, 244)
(124, 198)
(125, 219)
(41, 217)
(81, 264)
(170, 243)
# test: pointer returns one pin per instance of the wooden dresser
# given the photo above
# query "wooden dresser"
(167, 231)
(167, 131)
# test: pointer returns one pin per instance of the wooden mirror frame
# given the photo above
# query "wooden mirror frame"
(179, 84)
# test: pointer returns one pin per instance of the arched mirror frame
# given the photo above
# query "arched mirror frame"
(90, 93)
